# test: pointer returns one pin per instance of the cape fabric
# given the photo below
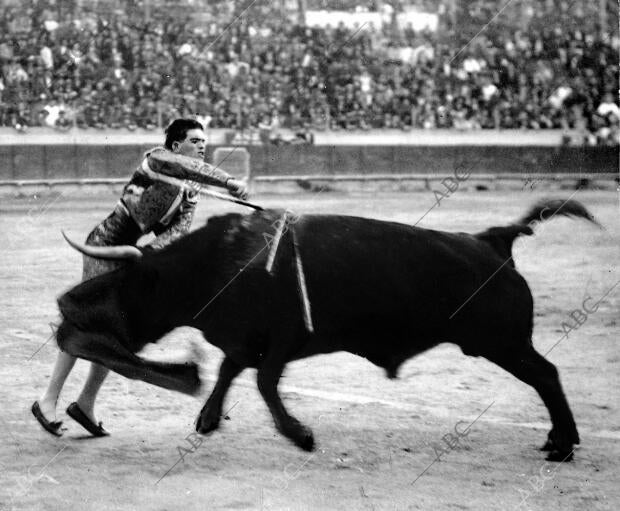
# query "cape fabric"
(90, 335)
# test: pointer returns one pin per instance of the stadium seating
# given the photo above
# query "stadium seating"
(262, 70)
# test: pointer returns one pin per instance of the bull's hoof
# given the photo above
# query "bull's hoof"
(299, 434)
(206, 422)
(560, 456)
(548, 446)
(305, 440)
(560, 445)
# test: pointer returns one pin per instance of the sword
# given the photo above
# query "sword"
(229, 198)
(200, 188)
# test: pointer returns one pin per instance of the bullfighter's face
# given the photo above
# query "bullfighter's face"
(193, 145)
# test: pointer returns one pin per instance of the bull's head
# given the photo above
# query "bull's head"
(116, 252)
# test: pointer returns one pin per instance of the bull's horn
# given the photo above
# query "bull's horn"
(118, 252)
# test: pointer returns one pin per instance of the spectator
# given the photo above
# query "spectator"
(62, 122)
(608, 107)
(263, 68)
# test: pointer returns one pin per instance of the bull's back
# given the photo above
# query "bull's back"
(369, 278)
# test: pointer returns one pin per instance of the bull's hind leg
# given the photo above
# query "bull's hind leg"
(209, 417)
(267, 377)
(532, 368)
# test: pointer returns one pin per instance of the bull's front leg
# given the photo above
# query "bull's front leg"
(267, 378)
(209, 417)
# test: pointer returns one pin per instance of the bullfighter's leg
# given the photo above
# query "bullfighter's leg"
(86, 399)
(268, 376)
(209, 417)
(532, 368)
(63, 366)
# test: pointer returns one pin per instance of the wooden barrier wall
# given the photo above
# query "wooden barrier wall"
(24, 162)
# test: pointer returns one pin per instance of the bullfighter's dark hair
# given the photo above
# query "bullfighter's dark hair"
(177, 130)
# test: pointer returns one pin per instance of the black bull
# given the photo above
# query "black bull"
(381, 290)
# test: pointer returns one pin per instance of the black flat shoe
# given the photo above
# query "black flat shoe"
(75, 412)
(52, 427)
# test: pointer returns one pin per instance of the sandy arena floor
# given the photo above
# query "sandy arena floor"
(377, 438)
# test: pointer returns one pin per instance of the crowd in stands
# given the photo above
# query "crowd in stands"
(264, 70)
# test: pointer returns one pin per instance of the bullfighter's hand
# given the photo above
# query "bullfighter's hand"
(237, 188)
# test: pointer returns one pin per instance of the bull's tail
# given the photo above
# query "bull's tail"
(118, 252)
(502, 238)
(545, 209)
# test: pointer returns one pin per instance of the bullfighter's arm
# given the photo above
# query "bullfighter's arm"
(184, 167)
